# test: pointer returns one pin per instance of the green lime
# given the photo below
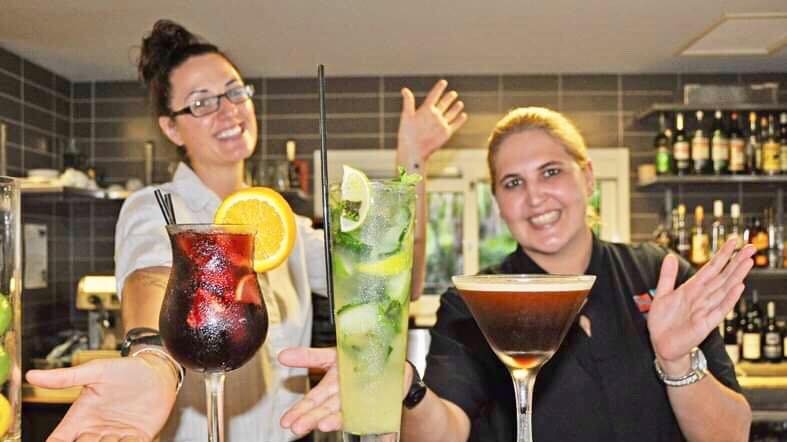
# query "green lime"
(5, 314)
(5, 365)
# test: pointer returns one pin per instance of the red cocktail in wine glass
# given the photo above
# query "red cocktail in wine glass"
(213, 319)
(524, 318)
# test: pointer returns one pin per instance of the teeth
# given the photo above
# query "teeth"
(545, 218)
(229, 132)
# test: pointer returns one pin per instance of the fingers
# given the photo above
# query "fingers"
(716, 315)
(452, 112)
(716, 264)
(435, 93)
(313, 417)
(321, 396)
(66, 377)
(408, 102)
(446, 100)
(458, 122)
(668, 275)
(305, 357)
(729, 283)
(732, 270)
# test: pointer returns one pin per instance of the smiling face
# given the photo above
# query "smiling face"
(542, 193)
(223, 138)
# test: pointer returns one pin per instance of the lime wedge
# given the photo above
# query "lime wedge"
(355, 199)
(388, 266)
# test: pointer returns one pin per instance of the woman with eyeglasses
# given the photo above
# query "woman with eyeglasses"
(203, 106)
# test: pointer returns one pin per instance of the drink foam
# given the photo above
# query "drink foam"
(524, 283)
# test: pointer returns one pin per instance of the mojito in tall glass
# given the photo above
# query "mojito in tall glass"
(372, 250)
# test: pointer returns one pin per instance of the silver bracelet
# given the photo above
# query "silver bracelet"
(168, 358)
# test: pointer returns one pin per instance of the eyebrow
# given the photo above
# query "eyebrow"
(202, 91)
(542, 167)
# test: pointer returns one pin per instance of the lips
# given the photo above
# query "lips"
(545, 218)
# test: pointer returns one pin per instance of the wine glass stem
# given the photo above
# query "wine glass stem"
(214, 389)
(524, 380)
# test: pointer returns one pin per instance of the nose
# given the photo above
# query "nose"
(534, 195)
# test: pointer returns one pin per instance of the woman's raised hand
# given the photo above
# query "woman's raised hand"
(680, 318)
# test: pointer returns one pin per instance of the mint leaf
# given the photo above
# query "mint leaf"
(392, 314)
(407, 178)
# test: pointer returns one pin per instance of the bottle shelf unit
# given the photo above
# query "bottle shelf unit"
(769, 273)
(657, 108)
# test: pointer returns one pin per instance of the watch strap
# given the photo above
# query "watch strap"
(699, 369)
(417, 390)
(139, 336)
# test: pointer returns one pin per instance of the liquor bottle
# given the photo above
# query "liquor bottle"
(772, 350)
(681, 150)
(774, 240)
(720, 146)
(718, 231)
(662, 236)
(663, 145)
(753, 148)
(700, 244)
(700, 148)
(758, 237)
(736, 228)
(731, 344)
(783, 141)
(751, 345)
(737, 147)
(771, 165)
(743, 317)
(293, 175)
(682, 243)
(674, 230)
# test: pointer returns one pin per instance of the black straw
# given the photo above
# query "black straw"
(326, 215)
(165, 204)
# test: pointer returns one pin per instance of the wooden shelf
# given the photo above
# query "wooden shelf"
(769, 273)
(712, 179)
(680, 107)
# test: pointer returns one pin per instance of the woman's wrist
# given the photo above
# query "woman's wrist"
(677, 367)
(158, 359)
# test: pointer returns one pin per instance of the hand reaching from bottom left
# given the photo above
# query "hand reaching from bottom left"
(125, 399)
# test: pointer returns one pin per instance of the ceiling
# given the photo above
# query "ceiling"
(96, 39)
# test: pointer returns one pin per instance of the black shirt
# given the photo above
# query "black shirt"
(599, 388)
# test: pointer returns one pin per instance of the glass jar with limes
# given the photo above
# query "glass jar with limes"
(10, 307)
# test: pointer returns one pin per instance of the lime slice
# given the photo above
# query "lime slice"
(355, 198)
(389, 266)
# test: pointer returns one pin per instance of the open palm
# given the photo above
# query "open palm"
(123, 399)
(680, 318)
(425, 129)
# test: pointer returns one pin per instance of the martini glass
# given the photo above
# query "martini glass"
(213, 319)
(524, 318)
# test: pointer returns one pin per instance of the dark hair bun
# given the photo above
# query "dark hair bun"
(166, 40)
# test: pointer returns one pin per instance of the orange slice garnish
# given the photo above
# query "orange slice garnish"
(267, 210)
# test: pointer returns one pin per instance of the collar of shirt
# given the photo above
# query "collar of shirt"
(193, 191)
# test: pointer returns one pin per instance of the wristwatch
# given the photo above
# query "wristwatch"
(148, 340)
(699, 368)
(417, 390)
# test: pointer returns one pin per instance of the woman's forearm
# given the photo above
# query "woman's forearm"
(709, 411)
(143, 293)
(435, 420)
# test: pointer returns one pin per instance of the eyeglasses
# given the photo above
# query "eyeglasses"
(208, 105)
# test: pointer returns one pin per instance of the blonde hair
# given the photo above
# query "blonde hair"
(554, 124)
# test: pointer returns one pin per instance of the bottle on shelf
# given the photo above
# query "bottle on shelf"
(743, 315)
(663, 146)
(737, 146)
(736, 227)
(772, 340)
(700, 243)
(751, 344)
(681, 150)
(293, 175)
(731, 344)
(783, 141)
(771, 165)
(720, 145)
(700, 148)
(753, 148)
(758, 237)
(682, 242)
(662, 236)
(718, 230)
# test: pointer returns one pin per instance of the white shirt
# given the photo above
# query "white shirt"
(258, 393)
